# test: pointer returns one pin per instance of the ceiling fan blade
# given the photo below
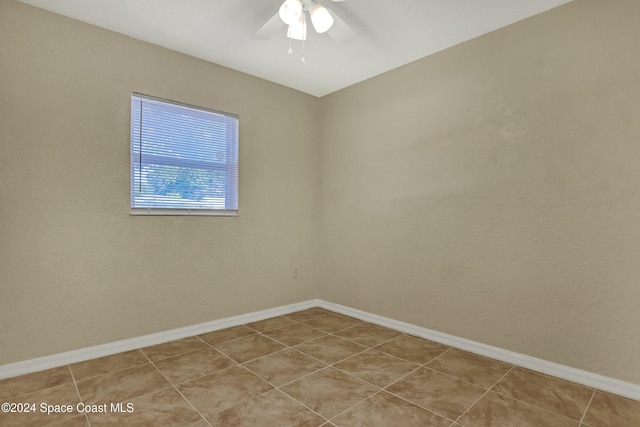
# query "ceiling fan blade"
(269, 29)
(338, 1)
(341, 31)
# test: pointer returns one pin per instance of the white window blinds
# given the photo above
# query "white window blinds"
(184, 159)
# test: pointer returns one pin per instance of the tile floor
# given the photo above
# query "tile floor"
(310, 368)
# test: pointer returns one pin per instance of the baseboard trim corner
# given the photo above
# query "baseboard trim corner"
(578, 376)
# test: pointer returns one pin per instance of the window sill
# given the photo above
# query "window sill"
(182, 212)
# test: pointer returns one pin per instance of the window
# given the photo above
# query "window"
(184, 159)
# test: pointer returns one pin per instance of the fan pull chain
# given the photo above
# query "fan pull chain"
(290, 50)
(302, 59)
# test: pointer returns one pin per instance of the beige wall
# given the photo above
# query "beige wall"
(492, 191)
(75, 268)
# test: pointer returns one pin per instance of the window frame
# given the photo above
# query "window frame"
(230, 166)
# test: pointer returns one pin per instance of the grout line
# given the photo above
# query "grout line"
(14, 397)
(313, 357)
(225, 355)
(229, 340)
(177, 354)
(534, 405)
(179, 392)
(310, 356)
(420, 406)
(262, 357)
(327, 366)
(356, 404)
(305, 320)
(75, 384)
(386, 389)
(359, 379)
(235, 365)
(484, 394)
(300, 343)
(299, 378)
(255, 358)
(119, 370)
(453, 377)
(198, 337)
(390, 339)
(285, 393)
(424, 366)
(115, 370)
(379, 351)
(401, 378)
(304, 405)
(147, 357)
(437, 357)
(584, 415)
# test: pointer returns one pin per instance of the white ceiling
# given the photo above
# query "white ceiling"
(390, 33)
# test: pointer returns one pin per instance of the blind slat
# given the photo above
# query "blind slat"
(182, 158)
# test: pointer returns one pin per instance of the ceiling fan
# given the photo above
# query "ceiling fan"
(293, 14)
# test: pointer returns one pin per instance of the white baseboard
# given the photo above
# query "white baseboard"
(80, 355)
(578, 376)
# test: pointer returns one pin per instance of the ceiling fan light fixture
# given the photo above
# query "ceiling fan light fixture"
(320, 18)
(298, 30)
(291, 11)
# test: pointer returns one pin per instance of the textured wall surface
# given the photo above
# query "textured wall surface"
(75, 268)
(492, 191)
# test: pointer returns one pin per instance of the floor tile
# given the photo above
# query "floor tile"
(295, 334)
(65, 394)
(376, 367)
(469, 367)
(332, 323)
(272, 408)
(495, 410)
(269, 324)
(194, 364)
(553, 394)
(304, 315)
(217, 337)
(329, 391)
(413, 349)
(284, 366)
(383, 409)
(330, 349)
(173, 348)
(368, 334)
(330, 370)
(248, 348)
(439, 393)
(164, 407)
(16, 386)
(121, 385)
(608, 410)
(102, 365)
(223, 390)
